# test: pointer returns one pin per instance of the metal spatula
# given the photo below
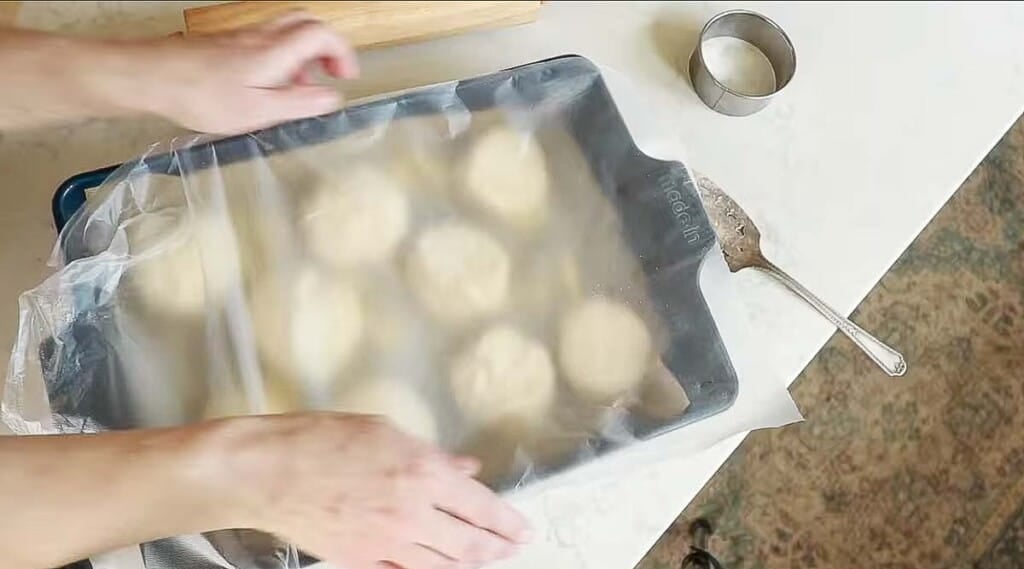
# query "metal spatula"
(741, 243)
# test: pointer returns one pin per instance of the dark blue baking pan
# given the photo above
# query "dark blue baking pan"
(70, 195)
(657, 202)
(664, 220)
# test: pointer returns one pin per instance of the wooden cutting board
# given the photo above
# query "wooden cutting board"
(372, 24)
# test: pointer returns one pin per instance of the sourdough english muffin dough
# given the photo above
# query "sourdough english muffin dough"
(503, 376)
(506, 176)
(459, 272)
(419, 156)
(307, 326)
(355, 220)
(182, 263)
(604, 349)
(394, 399)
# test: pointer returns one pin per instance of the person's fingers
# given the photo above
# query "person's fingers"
(466, 465)
(420, 557)
(337, 68)
(473, 502)
(307, 41)
(302, 77)
(299, 101)
(459, 540)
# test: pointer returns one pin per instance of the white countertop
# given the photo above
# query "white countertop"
(891, 108)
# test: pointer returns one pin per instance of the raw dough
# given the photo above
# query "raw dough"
(394, 399)
(308, 326)
(504, 376)
(420, 154)
(170, 248)
(604, 349)
(279, 397)
(357, 220)
(459, 272)
(506, 177)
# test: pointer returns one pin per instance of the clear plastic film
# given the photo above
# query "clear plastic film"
(492, 264)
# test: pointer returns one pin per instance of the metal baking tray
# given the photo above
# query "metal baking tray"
(664, 221)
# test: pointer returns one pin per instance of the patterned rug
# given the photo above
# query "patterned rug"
(926, 471)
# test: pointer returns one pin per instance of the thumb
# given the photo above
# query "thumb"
(298, 101)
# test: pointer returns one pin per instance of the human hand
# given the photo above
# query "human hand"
(223, 83)
(355, 492)
(243, 79)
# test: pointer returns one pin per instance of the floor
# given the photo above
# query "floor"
(922, 471)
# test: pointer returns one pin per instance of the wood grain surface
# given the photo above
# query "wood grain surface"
(9, 12)
(373, 24)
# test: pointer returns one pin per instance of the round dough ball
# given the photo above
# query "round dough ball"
(394, 399)
(604, 349)
(358, 221)
(184, 263)
(279, 397)
(506, 176)
(504, 376)
(459, 272)
(423, 168)
(307, 326)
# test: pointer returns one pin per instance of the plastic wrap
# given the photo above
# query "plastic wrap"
(492, 264)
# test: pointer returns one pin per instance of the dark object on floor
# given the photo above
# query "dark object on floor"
(925, 471)
(699, 556)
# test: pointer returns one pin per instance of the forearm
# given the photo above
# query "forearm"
(227, 83)
(64, 498)
(49, 78)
